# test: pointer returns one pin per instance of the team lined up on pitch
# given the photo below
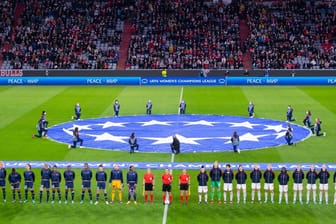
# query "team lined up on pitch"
(52, 178)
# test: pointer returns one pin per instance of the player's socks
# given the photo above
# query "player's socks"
(13, 195)
(334, 198)
(19, 194)
(134, 196)
(105, 197)
(129, 197)
(181, 198)
(53, 196)
(72, 195)
(272, 197)
(164, 197)
(212, 195)
(151, 197)
(252, 195)
(300, 196)
(59, 195)
(294, 198)
(219, 194)
(26, 194)
(97, 197)
(33, 195)
(286, 197)
(170, 198)
(66, 195)
(244, 195)
(308, 196)
(41, 196)
(48, 195)
(90, 195)
(231, 196)
(4, 193)
(146, 197)
(238, 197)
(187, 198)
(259, 196)
(224, 196)
(206, 198)
(280, 198)
(266, 197)
(326, 197)
(199, 198)
(314, 196)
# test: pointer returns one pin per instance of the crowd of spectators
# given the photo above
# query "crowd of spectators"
(185, 34)
(292, 34)
(6, 19)
(66, 34)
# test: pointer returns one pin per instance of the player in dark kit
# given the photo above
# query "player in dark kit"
(149, 107)
(182, 107)
(228, 177)
(250, 110)
(14, 178)
(132, 181)
(45, 181)
(255, 176)
(317, 128)
(307, 119)
(42, 128)
(235, 142)
(116, 108)
(86, 175)
(202, 179)
(215, 175)
(29, 179)
(311, 177)
(241, 177)
(101, 178)
(56, 178)
(78, 112)
(283, 179)
(323, 175)
(289, 113)
(298, 177)
(289, 135)
(133, 142)
(3, 174)
(269, 185)
(175, 145)
(76, 139)
(69, 177)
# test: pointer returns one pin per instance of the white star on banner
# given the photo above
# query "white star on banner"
(108, 137)
(112, 124)
(155, 122)
(200, 122)
(245, 124)
(280, 134)
(169, 139)
(248, 137)
(80, 127)
(276, 128)
(69, 132)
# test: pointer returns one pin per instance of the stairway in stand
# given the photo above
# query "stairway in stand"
(124, 45)
(244, 32)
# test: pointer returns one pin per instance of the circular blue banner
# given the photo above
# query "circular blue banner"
(196, 133)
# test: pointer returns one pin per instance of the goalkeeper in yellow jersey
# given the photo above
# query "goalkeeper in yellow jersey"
(116, 181)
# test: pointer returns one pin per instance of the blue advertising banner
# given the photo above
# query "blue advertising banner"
(270, 81)
(70, 81)
(183, 81)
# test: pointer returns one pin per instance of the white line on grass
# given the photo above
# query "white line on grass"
(165, 210)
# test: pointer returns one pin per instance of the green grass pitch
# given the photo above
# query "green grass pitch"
(21, 107)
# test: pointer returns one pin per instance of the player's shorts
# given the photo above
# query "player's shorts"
(215, 184)
(55, 185)
(45, 184)
(269, 186)
(86, 184)
(311, 187)
(148, 187)
(227, 187)
(2, 183)
(15, 186)
(241, 186)
(69, 185)
(116, 184)
(202, 189)
(323, 187)
(28, 185)
(166, 187)
(255, 186)
(184, 187)
(101, 185)
(283, 188)
(297, 186)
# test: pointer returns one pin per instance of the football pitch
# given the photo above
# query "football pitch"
(21, 108)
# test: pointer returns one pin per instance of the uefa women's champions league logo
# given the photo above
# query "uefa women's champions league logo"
(196, 133)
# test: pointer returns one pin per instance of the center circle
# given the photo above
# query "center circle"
(196, 133)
